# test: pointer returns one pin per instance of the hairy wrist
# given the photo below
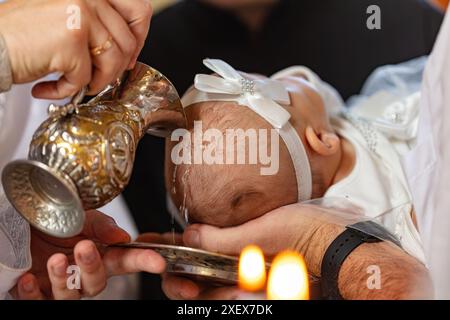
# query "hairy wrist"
(371, 271)
(383, 271)
(320, 238)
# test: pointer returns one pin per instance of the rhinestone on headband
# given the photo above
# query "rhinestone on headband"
(248, 86)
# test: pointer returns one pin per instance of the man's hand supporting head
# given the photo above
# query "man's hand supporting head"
(310, 230)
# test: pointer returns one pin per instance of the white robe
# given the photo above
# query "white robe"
(428, 164)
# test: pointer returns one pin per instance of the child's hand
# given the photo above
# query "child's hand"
(178, 288)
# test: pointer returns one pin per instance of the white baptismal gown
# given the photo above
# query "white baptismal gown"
(381, 125)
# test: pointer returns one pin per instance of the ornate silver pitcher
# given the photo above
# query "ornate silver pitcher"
(82, 156)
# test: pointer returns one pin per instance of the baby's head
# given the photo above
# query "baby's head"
(227, 193)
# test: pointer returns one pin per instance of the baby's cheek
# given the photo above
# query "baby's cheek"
(256, 209)
(224, 218)
(213, 216)
(248, 211)
(218, 216)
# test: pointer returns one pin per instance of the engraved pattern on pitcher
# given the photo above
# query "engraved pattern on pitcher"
(82, 156)
(105, 151)
(48, 217)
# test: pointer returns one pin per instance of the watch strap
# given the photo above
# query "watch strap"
(335, 256)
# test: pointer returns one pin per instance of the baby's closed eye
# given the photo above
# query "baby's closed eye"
(241, 198)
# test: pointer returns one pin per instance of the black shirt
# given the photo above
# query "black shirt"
(328, 36)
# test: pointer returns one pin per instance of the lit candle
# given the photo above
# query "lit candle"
(252, 269)
(288, 278)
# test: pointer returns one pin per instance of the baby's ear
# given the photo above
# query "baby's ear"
(325, 143)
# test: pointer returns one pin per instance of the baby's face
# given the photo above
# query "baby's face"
(226, 195)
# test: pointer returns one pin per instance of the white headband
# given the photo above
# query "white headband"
(263, 97)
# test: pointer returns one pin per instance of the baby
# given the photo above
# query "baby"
(323, 153)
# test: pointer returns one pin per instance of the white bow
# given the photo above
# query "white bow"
(262, 96)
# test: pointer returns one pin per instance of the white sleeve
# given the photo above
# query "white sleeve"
(15, 256)
(6, 79)
(427, 166)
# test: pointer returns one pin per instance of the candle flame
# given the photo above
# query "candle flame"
(288, 278)
(252, 269)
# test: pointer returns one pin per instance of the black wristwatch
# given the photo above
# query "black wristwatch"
(342, 246)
